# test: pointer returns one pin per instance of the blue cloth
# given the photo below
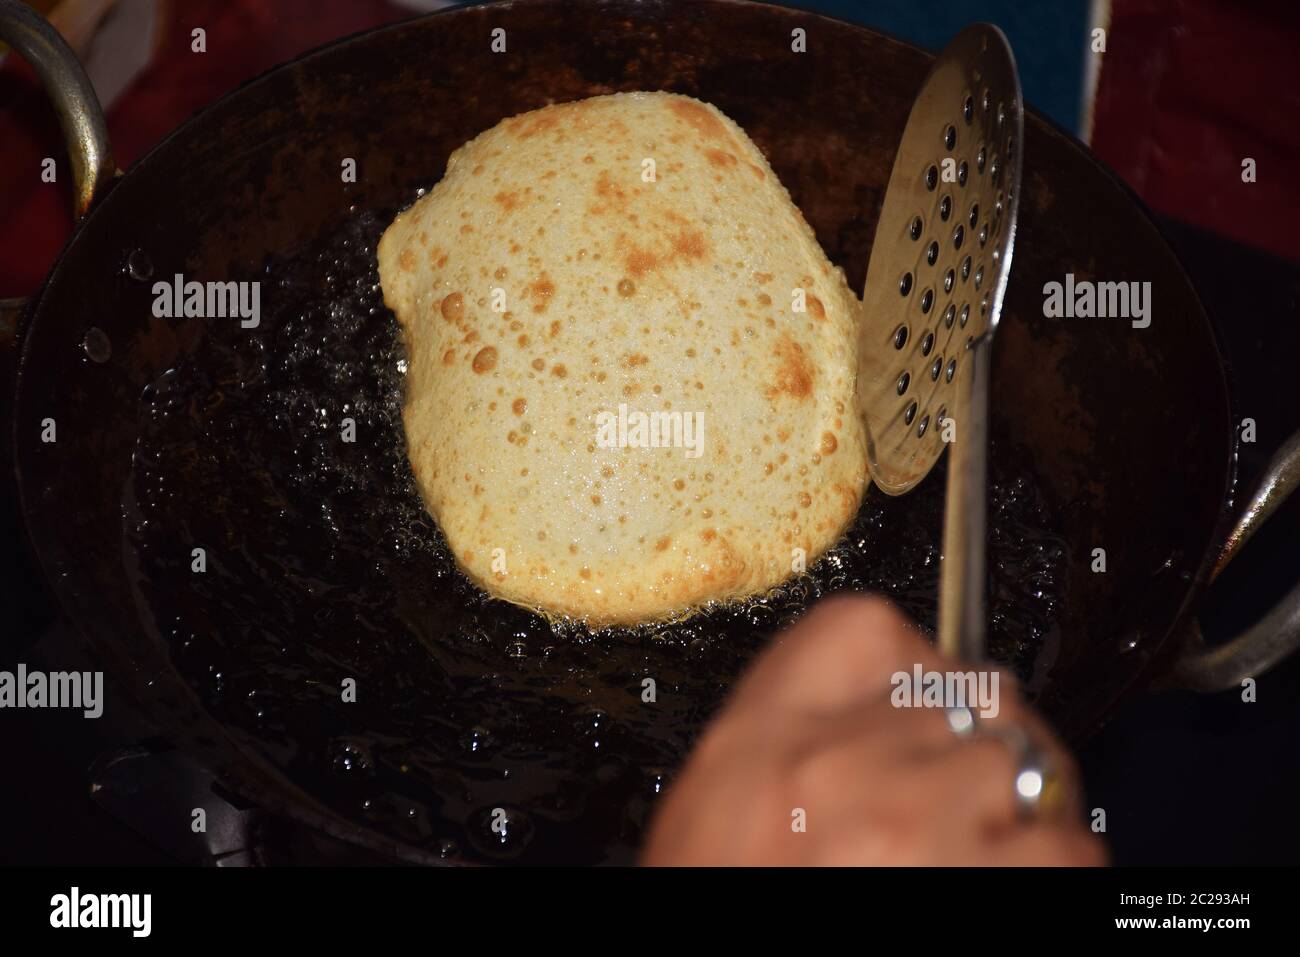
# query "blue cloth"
(1049, 39)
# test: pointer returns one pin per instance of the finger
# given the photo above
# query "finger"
(841, 654)
(975, 777)
(907, 763)
(1016, 715)
(910, 733)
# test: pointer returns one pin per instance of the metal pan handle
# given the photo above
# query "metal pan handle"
(80, 116)
(1274, 636)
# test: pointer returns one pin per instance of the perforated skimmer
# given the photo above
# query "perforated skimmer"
(935, 282)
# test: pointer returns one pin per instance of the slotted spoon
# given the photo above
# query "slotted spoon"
(935, 282)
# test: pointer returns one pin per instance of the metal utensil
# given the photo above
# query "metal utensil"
(938, 271)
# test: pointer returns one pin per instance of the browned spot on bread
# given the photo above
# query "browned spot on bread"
(829, 443)
(815, 307)
(848, 498)
(700, 117)
(607, 189)
(485, 360)
(520, 405)
(449, 357)
(686, 243)
(794, 373)
(762, 277)
(611, 197)
(559, 371)
(545, 120)
(626, 287)
(662, 544)
(640, 261)
(437, 257)
(406, 261)
(709, 534)
(453, 307)
(507, 200)
(690, 243)
(725, 570)
(757, 171)
(541, 291)
(720, 158)
(634, 359)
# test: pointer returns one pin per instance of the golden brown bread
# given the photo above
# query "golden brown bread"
(632, 250)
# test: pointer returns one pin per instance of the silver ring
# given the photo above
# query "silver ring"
(1032, 777)
(1035, 777)
(961, 721)
(1035, 784)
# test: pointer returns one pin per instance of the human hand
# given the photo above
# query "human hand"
(811, 734)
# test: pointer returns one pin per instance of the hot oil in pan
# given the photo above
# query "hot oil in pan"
(478, 730)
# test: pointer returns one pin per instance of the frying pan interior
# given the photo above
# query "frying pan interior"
(320, 568)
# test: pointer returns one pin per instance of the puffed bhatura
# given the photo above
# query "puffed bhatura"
(631, 367)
